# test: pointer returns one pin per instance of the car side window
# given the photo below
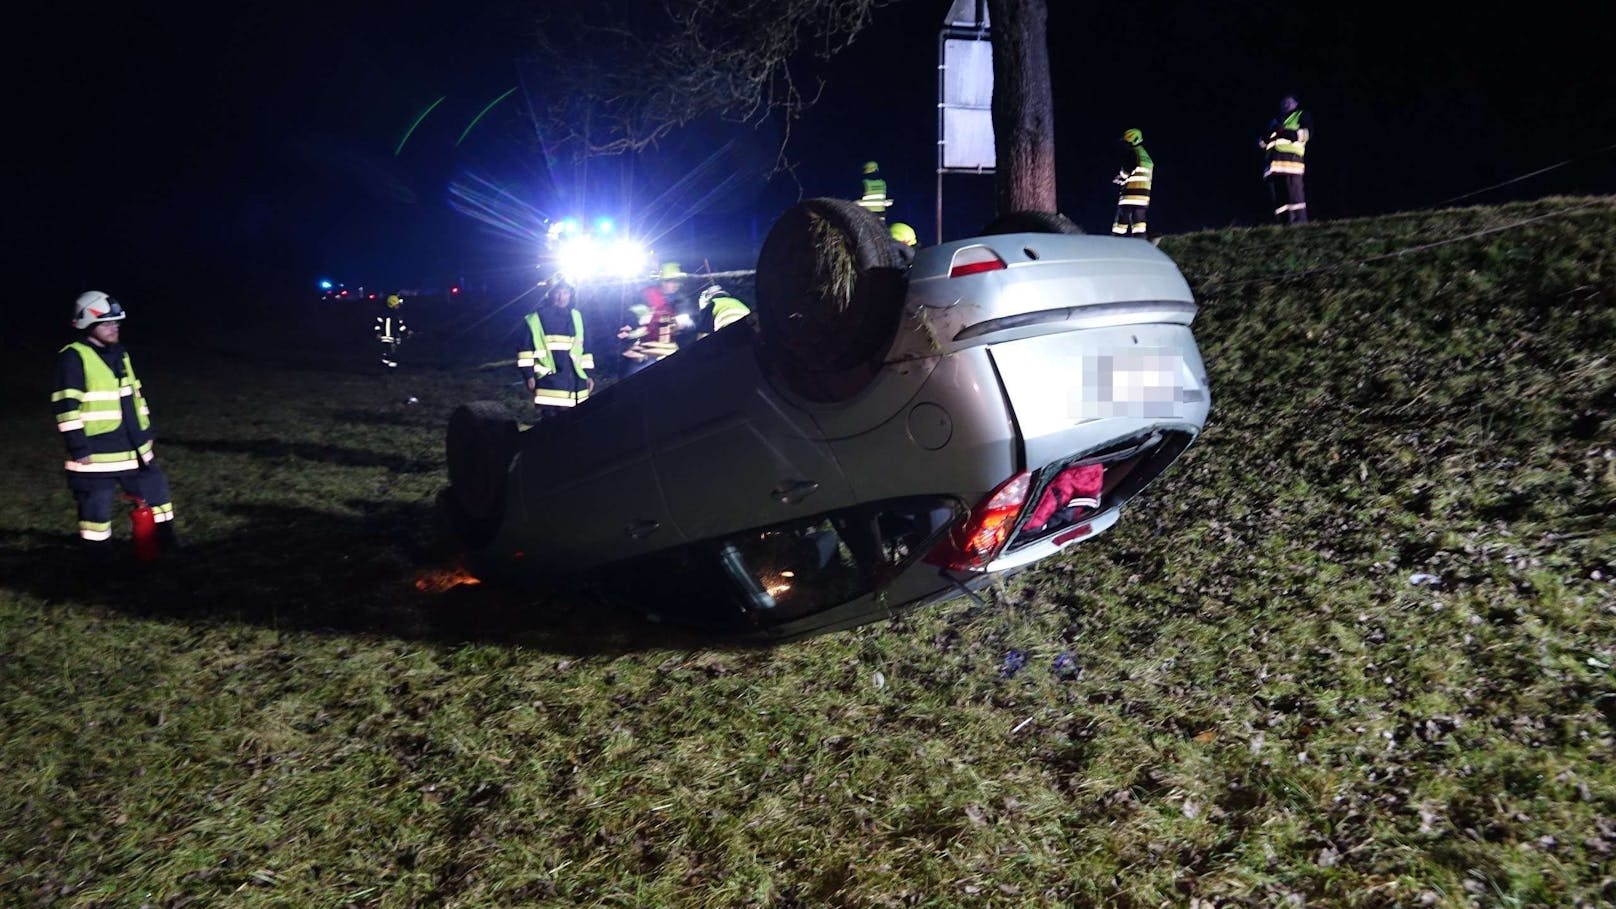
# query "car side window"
(771, 575)
(798, 568)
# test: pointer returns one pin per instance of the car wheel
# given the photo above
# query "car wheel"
(1031, 222)
(829, 291)
(480, 446)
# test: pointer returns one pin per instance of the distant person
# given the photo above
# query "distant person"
(1285, 151)
(904, 241)
(1135, 176)
(103, 417)
(873, 195)
(660, 318)
(390, 330)
(718, 309)
(555, 367)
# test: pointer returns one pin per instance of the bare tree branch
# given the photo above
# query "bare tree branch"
(616, 76)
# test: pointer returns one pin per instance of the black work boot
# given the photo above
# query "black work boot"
(167, 540)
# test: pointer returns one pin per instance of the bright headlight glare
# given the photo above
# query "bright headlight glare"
(627, 258)
(581, 257)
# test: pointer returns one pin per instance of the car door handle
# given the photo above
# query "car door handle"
(639, 530)
(792, 493)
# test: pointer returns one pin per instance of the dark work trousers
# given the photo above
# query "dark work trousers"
(94, 493)
(1290, 199)
(1131, 221)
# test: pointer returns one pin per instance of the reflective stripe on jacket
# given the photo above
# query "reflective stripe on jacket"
(723, 311)
(1136, 188)
(102, 415)
(541, 360)
(1287, 145)
(875, 196)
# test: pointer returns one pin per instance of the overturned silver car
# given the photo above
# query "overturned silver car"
(877, 436)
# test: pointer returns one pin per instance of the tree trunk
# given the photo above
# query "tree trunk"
(1023, 107)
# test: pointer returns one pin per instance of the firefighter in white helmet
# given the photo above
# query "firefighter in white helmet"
(718, 309)
(104, 420)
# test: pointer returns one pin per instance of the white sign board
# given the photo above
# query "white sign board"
(967, 105)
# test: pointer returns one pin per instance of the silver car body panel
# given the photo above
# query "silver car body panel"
(726, 448)
(1076, 343)
(1076, 390)
(955, 436)
(563, 510)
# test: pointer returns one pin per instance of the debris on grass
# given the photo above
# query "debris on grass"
(1014, 661)
(1066, 667)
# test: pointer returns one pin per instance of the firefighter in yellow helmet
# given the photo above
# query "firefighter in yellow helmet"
(873, 197)
(904, 241)
(102, 415)
(1135, 176)
(660, 319)
(390, 330)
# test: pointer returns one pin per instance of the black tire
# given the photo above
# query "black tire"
(830, 290)
(1031, 222)
(479, 449)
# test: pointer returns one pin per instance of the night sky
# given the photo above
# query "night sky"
(252, 147)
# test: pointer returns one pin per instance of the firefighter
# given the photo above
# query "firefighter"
(1285, 151)
(555, 366)
(390, 330)
(1135, 177)
(904, 241)
(873, 198)
(103, 417)
(662, 315)
(718, 309)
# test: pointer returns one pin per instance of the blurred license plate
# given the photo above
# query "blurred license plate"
(1144, 382)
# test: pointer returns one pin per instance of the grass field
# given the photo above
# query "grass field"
(1355, 649)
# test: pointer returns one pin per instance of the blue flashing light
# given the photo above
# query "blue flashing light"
(326, 285)
(603, 225)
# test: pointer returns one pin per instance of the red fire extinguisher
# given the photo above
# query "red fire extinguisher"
(144, 525)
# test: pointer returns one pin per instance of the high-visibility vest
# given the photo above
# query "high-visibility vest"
(99, 413)
(875, 196)
(723, 311)
(1136, 188)
(541, 360)
(1286, 155)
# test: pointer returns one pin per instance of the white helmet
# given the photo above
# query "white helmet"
(94, 306)
(711, 292)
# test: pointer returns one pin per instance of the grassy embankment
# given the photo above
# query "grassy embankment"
(1269, 709)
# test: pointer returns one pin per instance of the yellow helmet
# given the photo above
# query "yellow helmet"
(1133, 137)
(670, 271)
(903, 233)
(871, 167)
(394, 301)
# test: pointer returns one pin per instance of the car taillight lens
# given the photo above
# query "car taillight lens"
(974, 260)
(972, 544)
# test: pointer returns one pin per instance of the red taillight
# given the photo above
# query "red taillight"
(974, 260)
(971, 545)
